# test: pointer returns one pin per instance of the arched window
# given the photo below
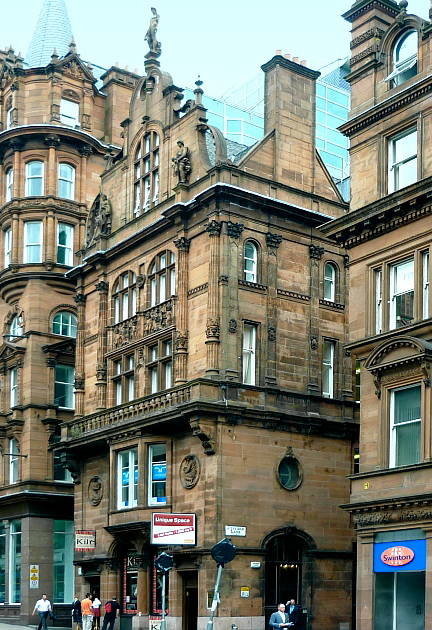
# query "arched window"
(16, 326)
(34, 180)
(162, 278)
(404, 58)
(9, 184)
(64, 323)
(250, 262)
(146, 173)
(125, 297)
(66, 181)
(329, 282)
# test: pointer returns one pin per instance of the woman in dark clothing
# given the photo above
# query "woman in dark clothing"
(76, 613)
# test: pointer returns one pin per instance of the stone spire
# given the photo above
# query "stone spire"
(53, 31)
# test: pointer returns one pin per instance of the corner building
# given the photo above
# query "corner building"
(210, 371)
(54, 135)
(387, 235)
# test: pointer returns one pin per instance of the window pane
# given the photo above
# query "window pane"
(407, 404)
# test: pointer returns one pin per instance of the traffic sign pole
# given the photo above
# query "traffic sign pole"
(222, 553)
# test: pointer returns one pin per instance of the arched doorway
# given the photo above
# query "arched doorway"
(286, 573)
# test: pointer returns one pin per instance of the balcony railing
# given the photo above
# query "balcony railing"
(123, 413)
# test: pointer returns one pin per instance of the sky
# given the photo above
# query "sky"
(224, 41)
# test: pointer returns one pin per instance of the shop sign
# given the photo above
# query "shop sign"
(244, 591)
(34, 576)
(85, 540)
(407, 555)
(173, 529)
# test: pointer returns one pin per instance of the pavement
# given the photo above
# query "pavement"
(14, 626)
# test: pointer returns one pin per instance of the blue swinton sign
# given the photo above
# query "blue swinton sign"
(406, 555)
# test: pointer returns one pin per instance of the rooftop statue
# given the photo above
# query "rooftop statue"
(154, 46)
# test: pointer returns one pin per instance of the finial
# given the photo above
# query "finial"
(155, 47)
(198, 91)
(54, 55)
(72, 47)
(403, 5)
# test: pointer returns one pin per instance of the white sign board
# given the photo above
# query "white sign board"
(34, 576)
(85, 540)
(173, 529)
(235, 530)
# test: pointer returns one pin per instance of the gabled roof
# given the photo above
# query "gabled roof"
(53, 31)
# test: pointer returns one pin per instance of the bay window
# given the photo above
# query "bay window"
(402, 160)
(157, 468)
(33, 242)
(7, 243)
(34, 179)
(127, 478)
(64, 383)
(249, 353)
(405, 426)
(65, 237)
(9, 184)
(13, 387)
(66, 181)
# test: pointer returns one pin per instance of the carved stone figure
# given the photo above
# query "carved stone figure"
(99, 219)
(181, 163)
(190, 471)
(95, 490)
(154, 46)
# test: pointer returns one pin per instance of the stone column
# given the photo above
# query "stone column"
(314, 346)
(80, 300)
(52, 141)
(181, 336)
(273, 241)
(213, 228)
(50, 239)
(16, 238)
(101, 367)
(80, 188)
(18, 184)
(229, 293)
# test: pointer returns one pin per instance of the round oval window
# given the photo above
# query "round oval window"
(289, 473)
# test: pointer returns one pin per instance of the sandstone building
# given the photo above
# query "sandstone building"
(174, 330)
(387, 235)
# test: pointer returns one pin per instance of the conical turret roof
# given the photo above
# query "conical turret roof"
(53, 31)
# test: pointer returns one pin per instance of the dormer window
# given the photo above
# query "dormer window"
(69, 113)
(404, 58)
(146, 173)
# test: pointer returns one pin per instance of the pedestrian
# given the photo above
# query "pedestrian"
(76, 613)
(87, 612)
(42, 608)
(96, 607)
(279, 619)
(111, 608)
(295, 614)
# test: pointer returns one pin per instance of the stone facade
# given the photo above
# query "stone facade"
(387, 231)
(43, 213)
(207, 339)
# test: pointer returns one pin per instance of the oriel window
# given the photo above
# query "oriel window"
(146, 173)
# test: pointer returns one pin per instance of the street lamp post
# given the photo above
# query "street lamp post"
(164, 562)
(222, 553)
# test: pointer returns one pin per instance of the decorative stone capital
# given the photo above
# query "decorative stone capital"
(79, 382)
(102, 286)
(182, 243)
(213, 228)
(52, 140)
(273, 240)
(16, 144)
(315, 251)
(80, 298)
(85, 150)
(181, 341)
(213, 329)
(271, 333)
(234, 230)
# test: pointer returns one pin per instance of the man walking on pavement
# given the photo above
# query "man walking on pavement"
(111, 608)
(87, 613)
(42, 608)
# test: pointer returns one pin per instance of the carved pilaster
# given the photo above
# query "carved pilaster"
(101, 383)
(181, 339)
(213, 229)
(80, 300)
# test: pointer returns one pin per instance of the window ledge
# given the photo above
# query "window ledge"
(389, 471)
(332, 305)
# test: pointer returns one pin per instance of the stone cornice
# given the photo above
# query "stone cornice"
(278, 60)
(389, 7)
(409, 509)
(382, 216)
(364, 37)
(380, 111)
